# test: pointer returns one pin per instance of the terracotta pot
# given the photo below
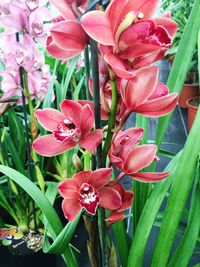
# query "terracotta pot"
(188, 91)
(192, 104)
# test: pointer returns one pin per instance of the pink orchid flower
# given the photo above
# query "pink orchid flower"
(126, 198)
(21, 54)
(36, 28)
(130, 39)
(70, 127)
(9, 85)
(130, 158)
(145, 95)
(70, 9)
(34, 4)
(67, 38)
(87, 190)
(15, 19)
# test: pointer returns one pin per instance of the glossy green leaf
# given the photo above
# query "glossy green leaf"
(186, 246)
(54, 223)
(179, 193)
(122, 241)
(148, 217)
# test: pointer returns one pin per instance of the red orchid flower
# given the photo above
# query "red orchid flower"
(87, 190)
(67, 38)
(126, 198)
(145, 95)
(130, 158)
(70, 127)
(129, 39)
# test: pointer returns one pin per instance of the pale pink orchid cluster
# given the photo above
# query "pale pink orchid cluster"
(24, 18)
(129, 40)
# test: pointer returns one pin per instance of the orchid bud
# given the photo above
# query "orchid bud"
(77, 162)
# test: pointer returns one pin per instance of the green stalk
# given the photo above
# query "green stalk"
(87, 160)
(87, 72)
(97, 115)
(112, 117)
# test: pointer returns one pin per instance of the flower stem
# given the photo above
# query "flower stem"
(112, 117)
(87, 72)
(97, 115)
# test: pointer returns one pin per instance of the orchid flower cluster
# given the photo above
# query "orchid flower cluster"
(24, 28)
(129, 41)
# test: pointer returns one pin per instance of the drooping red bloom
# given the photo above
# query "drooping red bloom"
(87, 190)
(130, 158)
(126, 198)
(67, 38)
(145, 95)
(129, 38)
(70, 127)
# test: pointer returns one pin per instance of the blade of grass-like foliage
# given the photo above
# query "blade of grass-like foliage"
(48, 98)
(70, 72)
(186, 246)
(179, 193)
(17, 134)
(4, 203)
(122, 241)
(141, 190)
(54, 223)
(3, 148)
(14, 154)
(148, 216)
(198, 44)
(62, 240)
(78, 88)
(181, 64)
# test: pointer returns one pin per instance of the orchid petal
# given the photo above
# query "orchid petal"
(82, 177)
(139, 89)
(68, 188)
(64, 8)
(169, 24)
(59, 53)
(92, 140)
(71, 208)
(159, 106)
(109, 198)
(72, 109)
(149, 177)
(87, 120)
(48, 146)
(115, 216)
(97, 26)
(100, 177)
(69, 35)
(139, 158)
(49, 118)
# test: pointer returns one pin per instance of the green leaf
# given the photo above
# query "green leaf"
(186, 246)
(62, 240)
(54, 223)
(122, 241)
(70, 72)
(148, 217)
(180, 189)
(14, 154)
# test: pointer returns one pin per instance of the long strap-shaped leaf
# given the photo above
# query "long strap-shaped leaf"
(186, 246)
(178, 195)
(54, 223)
(148, 216)
(181, 63)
